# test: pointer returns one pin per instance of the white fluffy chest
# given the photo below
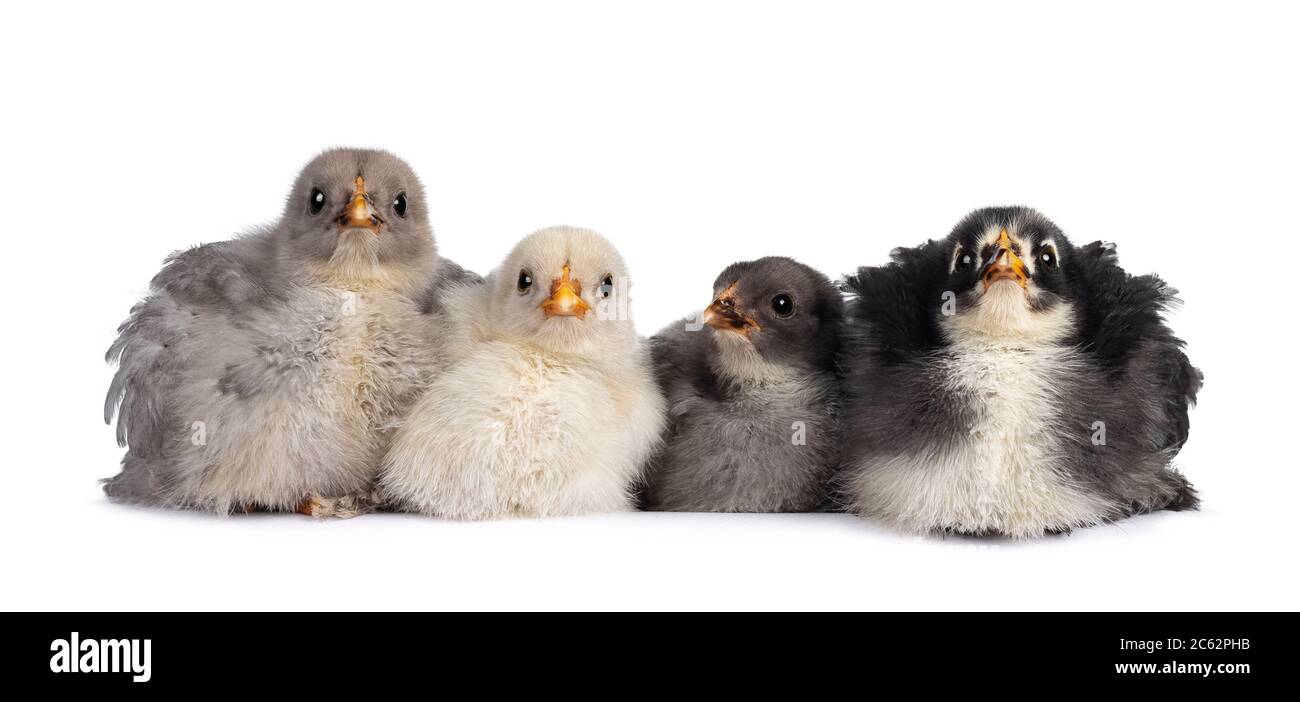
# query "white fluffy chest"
(548, 408)
(1006, 471)
(1003, 473)
(367, 353)
(509, 432)
(1010, 393)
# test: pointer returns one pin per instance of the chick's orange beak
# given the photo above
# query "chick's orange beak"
(1005, 265)
(566, 298)
(723, 314)
(359, 214)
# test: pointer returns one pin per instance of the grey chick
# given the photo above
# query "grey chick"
(267, 371)
(751, 393)
(1005, 381)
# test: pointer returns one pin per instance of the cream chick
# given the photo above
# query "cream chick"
(550, 406)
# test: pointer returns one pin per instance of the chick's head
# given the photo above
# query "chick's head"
(357, 215)
(565, 290)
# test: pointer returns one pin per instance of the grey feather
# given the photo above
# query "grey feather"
(752, 423)
(269, 368)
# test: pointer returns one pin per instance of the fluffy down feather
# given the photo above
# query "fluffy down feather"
(1017, 414)
(752, 420)
(271, 368)
(537, 416)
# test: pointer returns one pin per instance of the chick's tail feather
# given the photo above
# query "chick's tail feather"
(1183, 496)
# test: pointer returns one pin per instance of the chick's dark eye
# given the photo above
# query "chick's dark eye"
(607, 286)
(963, 261)
(783, 305)
(1048, 258)
(525, 282)
(316, 201)
(399, 204)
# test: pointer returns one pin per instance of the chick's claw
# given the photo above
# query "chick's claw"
(344, 507)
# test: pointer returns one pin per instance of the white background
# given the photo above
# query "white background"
(693, 135)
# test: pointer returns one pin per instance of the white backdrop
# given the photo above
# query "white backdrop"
(692, 134)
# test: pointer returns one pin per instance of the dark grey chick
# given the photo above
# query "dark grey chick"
(751, 389)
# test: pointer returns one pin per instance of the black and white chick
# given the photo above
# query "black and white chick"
(1003, 381)
(751, 390)
(268, 371)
